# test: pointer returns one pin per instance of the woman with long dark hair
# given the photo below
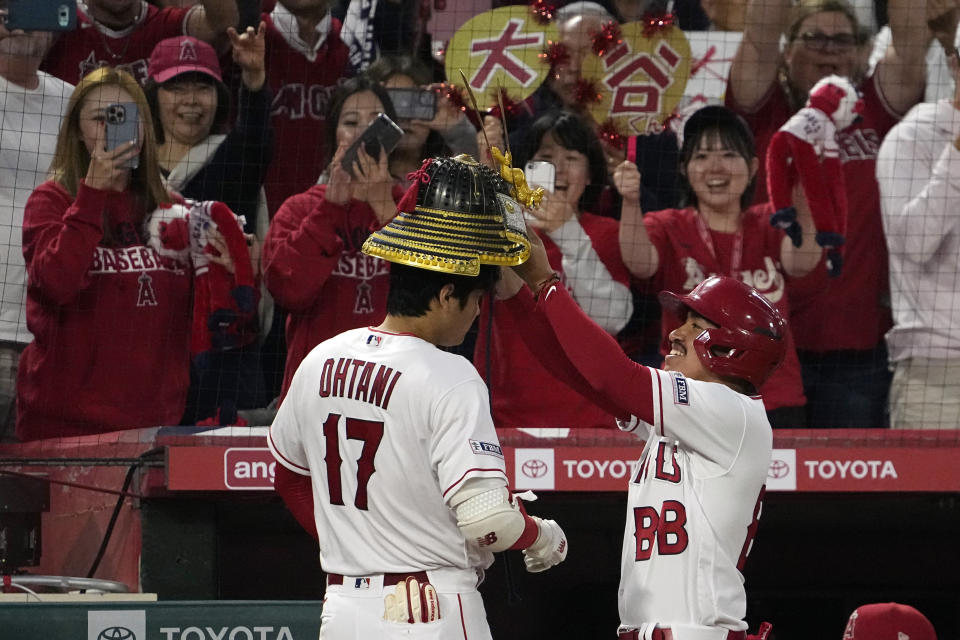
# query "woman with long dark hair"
(311, 257)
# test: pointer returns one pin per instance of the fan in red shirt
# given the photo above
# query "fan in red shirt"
(312, 261)
(123, 33)
(720, 234)
(109, 313)
(838, 322)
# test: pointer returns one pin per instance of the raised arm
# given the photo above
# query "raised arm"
(209, 20)
(916, 215)
(616, 380)
(539, 338)
(901, 72)
(757, 61)
(637, 251)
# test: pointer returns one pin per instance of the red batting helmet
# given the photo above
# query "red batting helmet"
(750, 340)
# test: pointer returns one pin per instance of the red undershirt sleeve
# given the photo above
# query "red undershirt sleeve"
(297, 493)
(596, 355)
(531, 531)
(540, 339)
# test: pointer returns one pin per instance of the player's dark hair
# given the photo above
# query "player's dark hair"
(715, 122)
(220, 116)
(571, 132)
(349, 87)
(412, 289)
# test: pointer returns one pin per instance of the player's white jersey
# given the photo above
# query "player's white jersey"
(693, 503)
(388, 427)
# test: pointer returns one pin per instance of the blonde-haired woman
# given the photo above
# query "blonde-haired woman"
(110, 316)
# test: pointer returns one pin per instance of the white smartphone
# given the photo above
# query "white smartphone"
(540, 173)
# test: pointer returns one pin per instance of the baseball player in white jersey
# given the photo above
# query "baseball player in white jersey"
(695, 493)
(386, 448)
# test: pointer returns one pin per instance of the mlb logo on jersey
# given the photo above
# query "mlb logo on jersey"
(361, 583)
(374, 339)
(680, 395)
(486, 448)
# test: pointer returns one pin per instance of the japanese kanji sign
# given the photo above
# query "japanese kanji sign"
(500, 48)
(641, 80)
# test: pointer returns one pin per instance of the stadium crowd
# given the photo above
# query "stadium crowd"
(113, 315)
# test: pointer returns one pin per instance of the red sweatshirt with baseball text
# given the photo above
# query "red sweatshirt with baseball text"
(111, 324)
(313, 267)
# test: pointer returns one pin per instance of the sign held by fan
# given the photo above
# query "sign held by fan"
(639, 76)
(501, 49)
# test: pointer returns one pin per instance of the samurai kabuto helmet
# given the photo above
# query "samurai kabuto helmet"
(457, 215)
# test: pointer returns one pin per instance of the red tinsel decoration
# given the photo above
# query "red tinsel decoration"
(542, 11)
(610, 134)
(453, 95)
(511, 106)
(607, 38)
(653, 23)
(586, 93)
(555, 54)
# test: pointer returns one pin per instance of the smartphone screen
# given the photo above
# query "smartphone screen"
(414, 103)
(41, 15)
(123, 125)
(541, 173)
(382, 133)
(250, 11)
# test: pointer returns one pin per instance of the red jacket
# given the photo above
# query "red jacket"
(111, 325)
(313, 267)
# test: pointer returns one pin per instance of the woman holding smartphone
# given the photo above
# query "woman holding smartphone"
(432, 125)
(311, 257)
(110, 316)
(583, 249)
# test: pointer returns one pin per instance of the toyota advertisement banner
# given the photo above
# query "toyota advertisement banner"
(829, 469)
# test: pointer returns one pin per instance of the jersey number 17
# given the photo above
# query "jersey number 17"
(368, 431)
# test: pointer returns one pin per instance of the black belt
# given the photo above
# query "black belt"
(389, 579)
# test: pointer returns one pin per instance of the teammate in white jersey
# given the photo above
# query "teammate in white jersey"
(694, 496)
(387, 449)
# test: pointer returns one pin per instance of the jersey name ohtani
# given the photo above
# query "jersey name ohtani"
(358, 380)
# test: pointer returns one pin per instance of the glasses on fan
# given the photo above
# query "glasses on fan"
(820, 42)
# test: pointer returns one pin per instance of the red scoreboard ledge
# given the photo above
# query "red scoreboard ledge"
(803, 461)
